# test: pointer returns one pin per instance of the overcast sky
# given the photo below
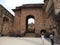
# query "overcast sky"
(11, 4)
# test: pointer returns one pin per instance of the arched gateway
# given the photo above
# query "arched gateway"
(23, 13)
(29, 27)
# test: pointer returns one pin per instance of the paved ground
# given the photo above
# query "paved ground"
(23, 41)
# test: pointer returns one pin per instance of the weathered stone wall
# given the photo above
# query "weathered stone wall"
(49, 10)
(52, 8)
(57, 10)
(6, 21)
(56, 6)
(17, 25)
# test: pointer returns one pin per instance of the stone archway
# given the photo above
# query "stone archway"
(23, 13)
(32, 27)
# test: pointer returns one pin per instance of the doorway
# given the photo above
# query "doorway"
(30, 22)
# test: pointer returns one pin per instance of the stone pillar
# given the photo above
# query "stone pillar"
(16, 27)
(23, 25)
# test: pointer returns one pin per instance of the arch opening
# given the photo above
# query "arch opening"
(30, 21)
(5, 26)
(5, 19)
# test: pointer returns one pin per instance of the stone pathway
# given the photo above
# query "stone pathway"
(22, 41)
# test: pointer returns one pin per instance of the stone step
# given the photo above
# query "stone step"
(30, 35)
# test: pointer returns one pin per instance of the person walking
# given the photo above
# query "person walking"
(42, 37)
(52, 38)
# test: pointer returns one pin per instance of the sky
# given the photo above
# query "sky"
(11, 4)
(31, 20)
